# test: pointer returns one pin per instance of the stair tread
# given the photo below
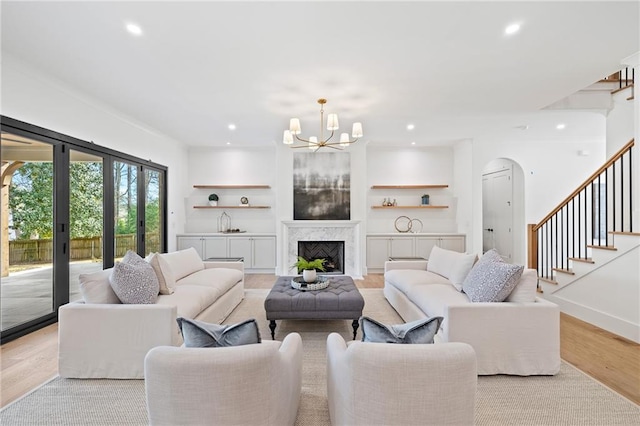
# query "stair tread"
(564, 271)
(612, 248)
(548, 280)
(637, 234)
(581, 259)
(628, 86)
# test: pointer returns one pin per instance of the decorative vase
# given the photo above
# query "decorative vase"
(309, 275)
(425, 200)
(213, 203)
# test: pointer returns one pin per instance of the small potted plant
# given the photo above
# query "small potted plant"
(308, 268)
(213, 199)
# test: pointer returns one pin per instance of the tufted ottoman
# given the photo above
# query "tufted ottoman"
(341, 300)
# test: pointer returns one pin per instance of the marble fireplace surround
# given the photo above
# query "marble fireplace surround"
(323, 230)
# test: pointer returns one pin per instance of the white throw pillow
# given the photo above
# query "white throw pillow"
(450, 264)
(525, 290)
(134, 281)
(179, 264)
(96, 288)
(154, 261)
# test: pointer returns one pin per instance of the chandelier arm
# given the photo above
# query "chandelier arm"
(302, 140)
(330, 136)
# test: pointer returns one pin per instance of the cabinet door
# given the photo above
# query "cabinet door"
(453, 243)
(195, 242)
(377, 251)
(215, 247)
(424, 245)
(401, 247)
(264, 252)
(241, 247)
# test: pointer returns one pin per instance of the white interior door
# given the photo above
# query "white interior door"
(497, 213)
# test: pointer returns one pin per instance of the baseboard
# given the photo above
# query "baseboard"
(606, 321)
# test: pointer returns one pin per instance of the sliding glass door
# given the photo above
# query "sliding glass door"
(86, 213)
(27, 282)
(69, 207)
(125, 189)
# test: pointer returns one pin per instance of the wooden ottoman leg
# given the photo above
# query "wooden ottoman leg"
(355, 325)
(272, 327)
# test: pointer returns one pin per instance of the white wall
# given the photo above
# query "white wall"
(31, 96)
(620, 122)
(552, 170)
(411, 166)
(231, 166)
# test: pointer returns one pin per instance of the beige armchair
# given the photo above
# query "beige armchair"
(240, 385)
(393, 384)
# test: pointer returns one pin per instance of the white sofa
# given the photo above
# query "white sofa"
(389, 384)
(519, 336)
(256, 384)
(110, 340)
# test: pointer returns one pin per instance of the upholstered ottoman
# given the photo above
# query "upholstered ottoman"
(340, 300)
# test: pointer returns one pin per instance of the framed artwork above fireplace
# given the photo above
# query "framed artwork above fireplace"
(321, 186)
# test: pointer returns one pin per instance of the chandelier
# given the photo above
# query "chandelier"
(313, 142)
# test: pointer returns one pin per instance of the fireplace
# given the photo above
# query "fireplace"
(331, 251)
(294, 231)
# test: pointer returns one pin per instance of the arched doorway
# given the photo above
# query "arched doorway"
(503, 226)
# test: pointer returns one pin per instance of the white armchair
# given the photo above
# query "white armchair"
(239, 385)
(394, 384)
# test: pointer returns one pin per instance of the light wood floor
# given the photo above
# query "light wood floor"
(31, 360)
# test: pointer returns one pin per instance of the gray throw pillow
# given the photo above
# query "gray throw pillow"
(134, 281)
(491, 279)
(199, 334)
(420, 331)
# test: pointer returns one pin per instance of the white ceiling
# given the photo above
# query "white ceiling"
(446, 67)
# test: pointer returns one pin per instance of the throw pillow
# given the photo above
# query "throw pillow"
(179, 264)
(525, 290)
(420, 331)
(134, 281)
(96, 288)
(199, 334)
(450, 264)
(154, 261)
(491, 279)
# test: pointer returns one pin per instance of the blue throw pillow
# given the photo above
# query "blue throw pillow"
(199, 334)
(420, 331)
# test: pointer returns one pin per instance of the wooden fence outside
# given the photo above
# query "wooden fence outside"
(41, 251)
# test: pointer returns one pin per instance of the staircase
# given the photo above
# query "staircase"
(587, 250)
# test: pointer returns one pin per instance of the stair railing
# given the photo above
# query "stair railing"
(602, 204)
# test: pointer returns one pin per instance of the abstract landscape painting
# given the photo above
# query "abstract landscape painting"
(322, 186)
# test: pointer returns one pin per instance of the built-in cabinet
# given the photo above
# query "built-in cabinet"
(258, 250)
(380, 247)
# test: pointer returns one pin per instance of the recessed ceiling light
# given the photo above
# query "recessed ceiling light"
(413, 143)
(228, 143)
(231, 126)
(134, 29)
(561, 126)
(410, 127)
(512, 29)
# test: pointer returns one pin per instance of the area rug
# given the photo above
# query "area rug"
(569, 398)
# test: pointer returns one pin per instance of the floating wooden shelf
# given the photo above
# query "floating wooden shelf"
(232, 186)
(408, 186)
(410, 207)
(232, 207)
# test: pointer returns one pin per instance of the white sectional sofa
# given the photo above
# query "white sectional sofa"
(519, 336)
(110, 340)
